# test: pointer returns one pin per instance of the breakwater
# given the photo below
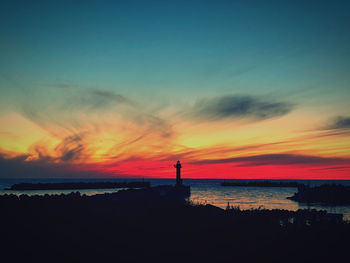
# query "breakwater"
(77, 185)
(261, 184)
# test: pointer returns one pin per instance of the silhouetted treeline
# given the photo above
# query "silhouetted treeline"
(332, 194)
(262, 184)
(80, 228)
(77, 185)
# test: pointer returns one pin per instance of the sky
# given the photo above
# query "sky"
(124, 89)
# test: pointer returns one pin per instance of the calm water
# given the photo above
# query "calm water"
(206, 191)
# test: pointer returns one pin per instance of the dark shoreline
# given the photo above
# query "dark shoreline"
(328, 194)
(82, 228)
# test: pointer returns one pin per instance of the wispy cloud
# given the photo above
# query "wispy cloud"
(71, 148)
(278, 159)
(197, 154)
(20, 167)
(341, 168)
(99, 108)
(108, 95)
(136, 113)
(339, 122)
(225, 107)
(83, 116)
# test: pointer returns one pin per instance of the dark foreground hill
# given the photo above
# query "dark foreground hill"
(75, 228)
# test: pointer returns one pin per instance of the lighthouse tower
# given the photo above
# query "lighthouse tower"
(178, 173)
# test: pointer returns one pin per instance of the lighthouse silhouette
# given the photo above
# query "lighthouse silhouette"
(178, 173)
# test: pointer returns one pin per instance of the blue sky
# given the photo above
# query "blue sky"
(165, 46)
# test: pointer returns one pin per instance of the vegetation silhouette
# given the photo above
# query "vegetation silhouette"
(75, 227)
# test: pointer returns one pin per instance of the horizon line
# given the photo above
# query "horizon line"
(168, 178)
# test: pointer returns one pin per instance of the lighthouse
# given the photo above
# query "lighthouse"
(178, 173)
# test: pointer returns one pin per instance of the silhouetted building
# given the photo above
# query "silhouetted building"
(178, 173)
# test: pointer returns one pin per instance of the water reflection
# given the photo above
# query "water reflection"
(256, 197)
(246, 197)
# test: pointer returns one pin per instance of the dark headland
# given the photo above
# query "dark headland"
(329, 194)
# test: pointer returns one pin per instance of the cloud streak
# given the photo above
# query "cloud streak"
(277, 159)
(226, 107)
(339, 122)
(71, 148)
(108, 95)
(100, 109)
(20, 167)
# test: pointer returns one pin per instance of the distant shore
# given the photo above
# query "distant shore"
(330, 194)
(261, 184)
(77, 185)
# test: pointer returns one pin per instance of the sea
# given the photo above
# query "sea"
(207, 191)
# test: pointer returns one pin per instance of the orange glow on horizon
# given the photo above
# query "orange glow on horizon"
(115, 147)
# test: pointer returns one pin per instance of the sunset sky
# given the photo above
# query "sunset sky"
(232, 89)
